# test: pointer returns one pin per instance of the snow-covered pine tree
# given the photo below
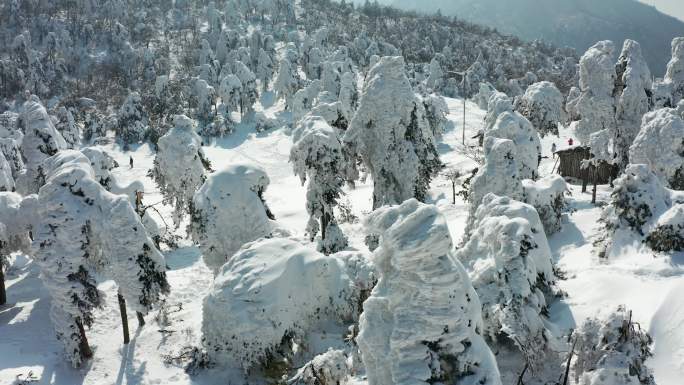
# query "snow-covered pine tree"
(349, 95)
(228, 211)
(596, 104)
(436, 111)
(41, 141)
(205, 95)
(317, 156)
(78, 234)
(180, 166)
(390, 133)
(249, 88)
(286, 82)
(14, 233)
(66, 125)
(132, 120)
(433, 334)
(509, 261)
(633, 99)
(102, 164)
(542, 105)
(660, 145)
(6, 178)
(674, 75)
(264, 70)
(513, 126)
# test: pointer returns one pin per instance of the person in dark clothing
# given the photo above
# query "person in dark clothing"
(130, 161)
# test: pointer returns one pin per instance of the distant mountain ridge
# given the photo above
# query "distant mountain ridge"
(573, 23)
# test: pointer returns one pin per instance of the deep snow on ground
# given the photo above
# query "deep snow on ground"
(650, 285)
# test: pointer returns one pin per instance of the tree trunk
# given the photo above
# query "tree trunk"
(593, 191)
(3, 293)
(84, 347)
(141, 319)
(585, 180)
(453, 192)
(325, 219)
(124, 318)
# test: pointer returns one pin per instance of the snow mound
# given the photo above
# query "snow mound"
(547, 195)
(227, 212)
(422, 323)
(666, 329)
(660, 145)
(274, 289)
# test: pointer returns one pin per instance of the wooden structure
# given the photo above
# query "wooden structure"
(570, 165)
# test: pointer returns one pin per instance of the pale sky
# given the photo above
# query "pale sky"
(671, 7)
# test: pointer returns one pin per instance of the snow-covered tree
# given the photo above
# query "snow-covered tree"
(286, 82)
(612, 351)
(11, 150)
(674, 75)
(228, 211)
(596, 104)
(542, 105)
(509, 261)
(66, 125)
(331, 78)
(498, 104)
(668, 233)
(271, 293)
(180, 165)
(660, 145)
(331, 367)
(41, 141)
(499, 175)
(476, 74)
(83, 229)
(422, 323)
(482, 97)
(249, 88)
(132, 120)
(6, 178)
(392, 136)
(14, 233)
(633, 99)
(303, 99)
(514, 126)
(317, 156)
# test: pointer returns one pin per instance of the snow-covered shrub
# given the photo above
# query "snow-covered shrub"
(392, 136)
(542, 105)
(499, 175)
(436, 111)
(596, 104)
(102, 164)
(41, 141)
(509, 262)
(612, 351)
(422, 323)
(515, 127)
(668, 234)
(228, 211)
(271, 292)
(547, 196)
(83, 229)
(482, 97)
(633, 98)
(674, 75)
(180, 165)
(660, 145)
(329, 368)
(498, 103)
(317, 155)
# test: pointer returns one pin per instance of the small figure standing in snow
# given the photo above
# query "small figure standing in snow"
(553, 150)
(130, 161)
(570, 142)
